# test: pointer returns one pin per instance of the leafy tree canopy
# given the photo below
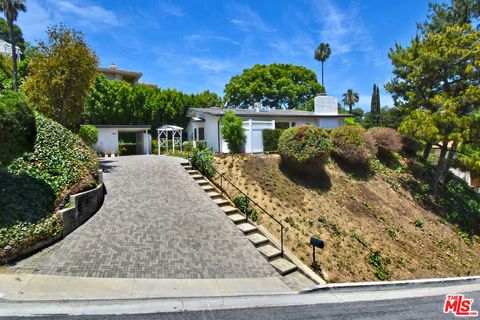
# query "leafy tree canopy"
(275, 86)
(118, 102)
(5, 34)
(60, 75)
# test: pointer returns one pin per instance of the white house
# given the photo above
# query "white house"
(204, 123)
(6, 49)
(108, 137)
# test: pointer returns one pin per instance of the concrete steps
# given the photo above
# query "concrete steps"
(257, 239)
(246, 227)
(237, 218)
(269, 251)
(283, 266)
(221, 202)
(214, 194)
(207, 188)
(230, 209)
(263, 244)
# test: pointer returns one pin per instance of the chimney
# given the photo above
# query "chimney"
(326, 105)
(113, 66)
(257, 106)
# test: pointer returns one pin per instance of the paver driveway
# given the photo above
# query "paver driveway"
(155, 223)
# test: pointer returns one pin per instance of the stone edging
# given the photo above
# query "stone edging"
(84, 206)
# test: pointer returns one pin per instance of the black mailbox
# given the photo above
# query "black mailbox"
(317, 243)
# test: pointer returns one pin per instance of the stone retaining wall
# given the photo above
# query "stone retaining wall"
(84, 205)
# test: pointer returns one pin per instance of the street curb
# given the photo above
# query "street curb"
(391, 285)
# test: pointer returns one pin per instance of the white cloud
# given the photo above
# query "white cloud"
(343, 30)
(246, 19)
(41, 14)
(171, 9)
(199, 38)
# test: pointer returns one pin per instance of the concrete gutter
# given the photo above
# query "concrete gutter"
(392, 285)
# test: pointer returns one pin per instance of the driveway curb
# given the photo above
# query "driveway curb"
(391, 285)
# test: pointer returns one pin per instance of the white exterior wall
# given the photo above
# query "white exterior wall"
(211, 132)
(107, 140)
(331, 123)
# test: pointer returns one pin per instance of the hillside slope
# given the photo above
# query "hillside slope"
(375, 227)
(36, 184)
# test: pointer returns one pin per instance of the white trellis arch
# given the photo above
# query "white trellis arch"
(162, 136)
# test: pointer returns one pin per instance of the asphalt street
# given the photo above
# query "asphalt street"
(405, 308)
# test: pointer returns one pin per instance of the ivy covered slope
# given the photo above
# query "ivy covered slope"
(35, 185)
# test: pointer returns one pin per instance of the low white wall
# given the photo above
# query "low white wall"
(107, 140)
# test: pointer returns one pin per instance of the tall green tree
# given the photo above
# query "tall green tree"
(322, 53)
(443, 15)
(233, 132)
(10, 9)
(375, 106)
(279, 86)
(444, 69)
(60, 75)
(350, 98)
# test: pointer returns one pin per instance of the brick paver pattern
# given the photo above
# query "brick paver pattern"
(155, 222)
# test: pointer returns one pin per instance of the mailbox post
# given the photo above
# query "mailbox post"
(316, 243)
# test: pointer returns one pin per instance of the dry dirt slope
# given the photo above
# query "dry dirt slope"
(373, 228)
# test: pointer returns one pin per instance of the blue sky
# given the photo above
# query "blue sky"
(198, 45)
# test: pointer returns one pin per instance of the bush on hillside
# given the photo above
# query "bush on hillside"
(89, 134)
(33, 185)
(60, 159)
(202, 161)
(270, 139)
(351, 144)
(233, 132)
(411, 145)
(305, 149)
(17, 127)
(386, 139)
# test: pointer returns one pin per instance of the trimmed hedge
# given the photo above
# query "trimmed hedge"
(386, 139)
(351, 144)
(305, 149)
(17, 127)
(89, 134)
(270, 139)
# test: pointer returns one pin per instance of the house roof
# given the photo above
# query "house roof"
(123, 126)
(192, 112)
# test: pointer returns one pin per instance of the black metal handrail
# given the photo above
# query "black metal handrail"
(248, 199)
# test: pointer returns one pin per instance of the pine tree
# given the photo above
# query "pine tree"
(377, 106)
(374, 108)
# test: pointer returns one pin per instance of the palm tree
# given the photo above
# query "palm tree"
(322, 53)
(11, 8)
(350, 98)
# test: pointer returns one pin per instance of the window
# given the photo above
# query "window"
(201, 133)
(292, 124)
(282, 125)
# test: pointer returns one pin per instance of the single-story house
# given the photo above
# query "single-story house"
(108, 137)
(204, 123)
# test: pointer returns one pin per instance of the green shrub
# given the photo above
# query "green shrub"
(187, 146)
(351, 122)
(381, 270)
(270, 139)
(89, 134)
(411, 145)
(241, 202)
(305, 148)
(200, 145)
(386, 139)
(17, 127)
(60, 158)
(202, 161)
(233, 132)
(351, 144)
